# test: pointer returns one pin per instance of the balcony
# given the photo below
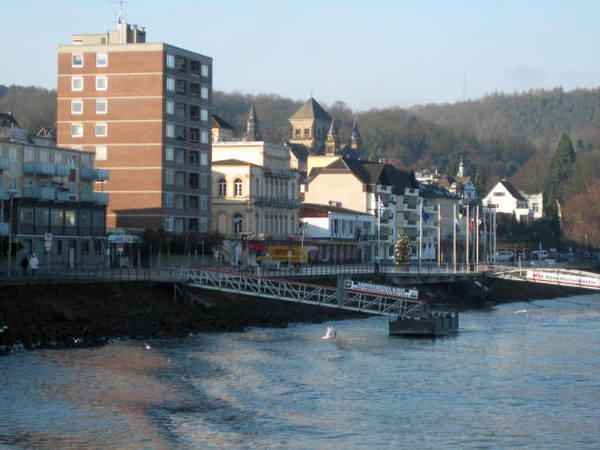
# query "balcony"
(278, 173)
(94, 174)
(63, 196)
(277, 202)
(4, 228)
(94, 197)
(4, 163)
(40, 193)
(62, 170)
(39, 168)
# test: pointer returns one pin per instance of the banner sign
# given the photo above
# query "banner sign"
(560, 278)
(395, 291)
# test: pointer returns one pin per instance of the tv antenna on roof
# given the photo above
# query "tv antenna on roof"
(120, 2)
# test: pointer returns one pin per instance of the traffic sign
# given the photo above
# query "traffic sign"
(48, 236)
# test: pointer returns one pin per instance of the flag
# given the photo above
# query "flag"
(440, 218)
(381, 207)
(470, 225)
(425, 216)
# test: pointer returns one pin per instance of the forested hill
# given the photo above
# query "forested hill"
(500, 135)
(538, 115)
(33, 107)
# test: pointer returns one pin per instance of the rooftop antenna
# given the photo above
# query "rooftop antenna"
(120, 2)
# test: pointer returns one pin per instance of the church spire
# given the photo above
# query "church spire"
(252, 128)
(332, 143)
(355, 137)
(461, 169)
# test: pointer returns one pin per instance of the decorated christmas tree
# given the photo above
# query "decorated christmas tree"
(402, 250)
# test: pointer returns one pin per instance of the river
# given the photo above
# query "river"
(509, 379)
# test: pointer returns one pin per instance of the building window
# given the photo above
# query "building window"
(169, 176)
(498, 194)
(44, 156)
(101, 129)
(204, 136)
(195, 67)
(29, 155)
(170, 107)
(204, 158)
(76, 130)
(203, 225)
(170, 61)
(77, 84)
(238, 223)
(170, 84)
(168, 224)
(194, 113)
(307, 132)
(101, 106)
(170, 130)
(76, 107)
(180, 156)
(237, 187)
(101, 153)
(101, 83)
(204, 180)
(101, 59)
(77, 60)
(203, 203)
(181, 86)
(204, 92)
(169, 153)
(204, 114)
(168, 199)
(194, 135)
(71, 160)
(193, 158)
(222, 187)
(204, 70)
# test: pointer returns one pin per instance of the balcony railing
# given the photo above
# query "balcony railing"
(94, 197)
(39, 168)
(278, 173)
(95, 174)
(40, 193)
(277, 202)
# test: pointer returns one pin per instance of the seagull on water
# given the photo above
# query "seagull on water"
(523, 311)
(330, 331)
(77, 340)
(147, 346)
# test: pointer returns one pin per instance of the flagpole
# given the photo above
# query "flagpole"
(420, 232)
(454, 239)
(468, 236)
(477, 237)
(439, 230)
(378, 213)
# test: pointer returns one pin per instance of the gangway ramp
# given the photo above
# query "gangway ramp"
(301, 292)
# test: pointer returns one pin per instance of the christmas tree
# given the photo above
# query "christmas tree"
(402, 250)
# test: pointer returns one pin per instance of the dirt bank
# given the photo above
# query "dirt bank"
(74, 315)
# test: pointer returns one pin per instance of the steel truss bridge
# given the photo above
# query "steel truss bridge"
(547, 275)
(301, 292)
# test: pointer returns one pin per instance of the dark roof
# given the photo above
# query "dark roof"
(311, 110)
(8, 121)
(318, 210)
(217, 122)
(299, 150)
(513, 190)
(435, 191)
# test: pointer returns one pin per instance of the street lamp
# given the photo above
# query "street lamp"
(11, 193)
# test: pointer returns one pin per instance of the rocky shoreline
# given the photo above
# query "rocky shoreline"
(83, 315)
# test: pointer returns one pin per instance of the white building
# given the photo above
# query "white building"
(505, 198)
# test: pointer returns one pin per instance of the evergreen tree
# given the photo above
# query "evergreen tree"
(480, 181)
(560, 171)
(402, 250)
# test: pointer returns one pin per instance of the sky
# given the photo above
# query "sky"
(367, 54)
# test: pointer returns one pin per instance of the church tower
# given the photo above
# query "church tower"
(461, 169)
(355, 138)
(252, 128)
(332, 143)
(309, 127)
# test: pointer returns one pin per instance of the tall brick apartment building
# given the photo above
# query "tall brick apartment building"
(145, 110)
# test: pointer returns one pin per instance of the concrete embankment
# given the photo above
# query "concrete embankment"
(74, 315)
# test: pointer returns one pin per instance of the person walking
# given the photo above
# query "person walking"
(33, 263)
(24, 264)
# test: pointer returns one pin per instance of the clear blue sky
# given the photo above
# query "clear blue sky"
(368, 54)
